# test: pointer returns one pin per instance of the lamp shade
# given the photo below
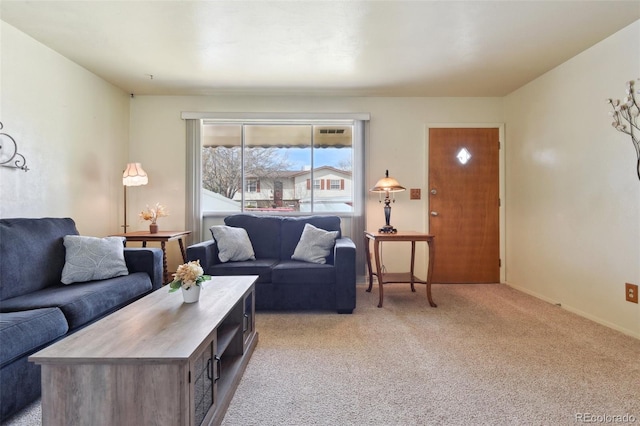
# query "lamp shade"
(134, 175)
(387, 184)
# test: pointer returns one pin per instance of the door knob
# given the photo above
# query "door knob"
(434, 192)
(434, 213)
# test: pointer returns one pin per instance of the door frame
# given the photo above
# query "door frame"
(501, 189)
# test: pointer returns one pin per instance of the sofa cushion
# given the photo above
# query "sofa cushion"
(84, 302)
(25, 331)
(296, 272)
(19, 386)
(91, 258)
(260, 267)
(292, 228)
(233, 243)
(263, 231)
(296, 297)
(32, 254)
(315, 244)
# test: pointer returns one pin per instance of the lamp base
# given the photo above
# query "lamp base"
(387, 229)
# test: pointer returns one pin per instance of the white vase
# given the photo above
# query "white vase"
(192, 294)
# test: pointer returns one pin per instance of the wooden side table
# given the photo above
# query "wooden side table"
(162, 237)
(403, 277)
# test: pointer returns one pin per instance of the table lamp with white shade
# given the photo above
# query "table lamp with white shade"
(387, 185)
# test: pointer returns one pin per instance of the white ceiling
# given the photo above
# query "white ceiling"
(368, 48)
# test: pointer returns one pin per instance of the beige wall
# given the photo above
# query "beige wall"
(573, 197)
(396, 142)
(572, 205)
(72, 127)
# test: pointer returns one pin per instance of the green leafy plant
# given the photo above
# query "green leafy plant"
(188, 275)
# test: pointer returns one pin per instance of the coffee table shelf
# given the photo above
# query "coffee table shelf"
(225, 335)
(156, 361)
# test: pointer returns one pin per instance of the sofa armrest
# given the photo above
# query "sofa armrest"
(345, 263)
(147, 260)
(206, 252)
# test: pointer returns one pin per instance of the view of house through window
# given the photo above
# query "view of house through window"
(277, 167)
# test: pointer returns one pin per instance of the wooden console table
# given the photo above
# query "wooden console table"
(157, 361)
(162, 237)
(405, 277)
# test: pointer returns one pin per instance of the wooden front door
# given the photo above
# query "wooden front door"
(464, 204)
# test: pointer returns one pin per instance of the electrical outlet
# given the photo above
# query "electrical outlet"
(631, 292)
(414, 194)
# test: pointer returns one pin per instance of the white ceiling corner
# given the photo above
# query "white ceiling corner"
(347, 48)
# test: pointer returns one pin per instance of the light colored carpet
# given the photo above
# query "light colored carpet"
(487, 354)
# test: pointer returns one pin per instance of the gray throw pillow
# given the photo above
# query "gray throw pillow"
(315, 244)
(233, 243)
(92, 258)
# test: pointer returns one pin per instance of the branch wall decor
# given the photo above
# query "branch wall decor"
(625, 118)
(9, 155)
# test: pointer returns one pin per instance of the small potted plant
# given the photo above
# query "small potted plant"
(152, 214)
(189, 277)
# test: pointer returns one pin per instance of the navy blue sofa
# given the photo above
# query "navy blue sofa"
(36, 309)
(283, 283)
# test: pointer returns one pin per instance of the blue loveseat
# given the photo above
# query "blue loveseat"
(36, 309)
(284, 283)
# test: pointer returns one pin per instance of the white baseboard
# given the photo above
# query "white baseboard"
(576, 311)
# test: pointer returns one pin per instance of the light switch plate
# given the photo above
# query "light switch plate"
(414, 193)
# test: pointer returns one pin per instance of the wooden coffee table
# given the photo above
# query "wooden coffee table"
(156, 361)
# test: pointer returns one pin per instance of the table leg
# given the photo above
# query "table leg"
(432, 253)
(184, 254)
(376, 250)
(368, 256)
(165, 272)
(413, 262)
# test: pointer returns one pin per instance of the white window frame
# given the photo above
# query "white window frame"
(353, 223)
(252, 185)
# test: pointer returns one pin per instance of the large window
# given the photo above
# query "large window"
(275, 163)
(277, 167)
